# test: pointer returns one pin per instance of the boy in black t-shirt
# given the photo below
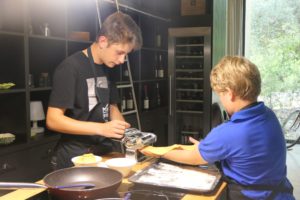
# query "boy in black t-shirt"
(83, 102)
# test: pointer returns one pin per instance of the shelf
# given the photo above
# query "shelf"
(189, 70)
(10, 91)
(189, 111)
(189, 45)
(122, 83)
(11, 33)
(189, 79)
(129, 112)
(124, 86)
(185, 57)
(189, 90)
(189, 101)
(190, 133)
(47, 38)
(152, 80)
(154, 49)
(40, 89)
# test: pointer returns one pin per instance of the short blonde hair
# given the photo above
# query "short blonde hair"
(238, 74)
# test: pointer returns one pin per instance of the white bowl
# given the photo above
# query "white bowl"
(123, 165)
(85, 162)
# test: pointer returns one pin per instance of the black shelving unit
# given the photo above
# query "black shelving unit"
(26, 52)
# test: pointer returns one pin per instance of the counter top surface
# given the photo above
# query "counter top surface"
(27, 193)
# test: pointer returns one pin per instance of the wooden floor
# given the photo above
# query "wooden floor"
(293, 169)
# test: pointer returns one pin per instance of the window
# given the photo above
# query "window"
(272, 42)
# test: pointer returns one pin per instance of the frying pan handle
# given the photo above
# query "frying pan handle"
(18, 185)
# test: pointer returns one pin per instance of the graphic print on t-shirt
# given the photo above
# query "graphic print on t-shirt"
(105, 112)
(101, 83)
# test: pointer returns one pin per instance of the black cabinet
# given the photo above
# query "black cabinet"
(35, 36)
(27, 162)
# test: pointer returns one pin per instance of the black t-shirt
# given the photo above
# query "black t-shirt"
(74, 90)
(73, 86)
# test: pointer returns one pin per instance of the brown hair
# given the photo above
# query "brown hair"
(238, 74)
(120, 28)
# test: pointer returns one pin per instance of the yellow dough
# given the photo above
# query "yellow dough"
(159, 151)
(86, 158)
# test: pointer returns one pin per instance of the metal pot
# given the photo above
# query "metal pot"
(105, 181)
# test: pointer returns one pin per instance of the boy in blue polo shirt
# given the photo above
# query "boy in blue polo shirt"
(250, 146)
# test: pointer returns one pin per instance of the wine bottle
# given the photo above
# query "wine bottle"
(123, 105)
(158, 99)
(125, 73)
(146, 98)
(160, 67)
(129, 102)
(158, 40)
(155, 66)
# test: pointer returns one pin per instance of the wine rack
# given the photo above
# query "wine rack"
(189, 74)
(190, 99)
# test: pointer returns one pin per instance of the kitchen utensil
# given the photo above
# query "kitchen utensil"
(18, 185)
(105, 180)
(134, 140)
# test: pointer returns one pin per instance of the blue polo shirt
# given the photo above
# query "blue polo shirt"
(251, 149)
